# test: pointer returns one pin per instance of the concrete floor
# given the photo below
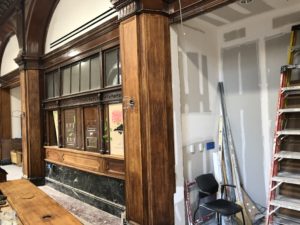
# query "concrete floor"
(87, 214)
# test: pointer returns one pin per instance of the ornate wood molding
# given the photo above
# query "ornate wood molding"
(105, 165)
(27, 62)
(10, 80)
(94, 98)
(111, 97)
(105, 34)
(127, 8)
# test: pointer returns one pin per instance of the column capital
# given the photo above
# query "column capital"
(27, 62)
(128, 8)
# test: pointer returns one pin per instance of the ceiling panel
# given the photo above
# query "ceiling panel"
(237, 11)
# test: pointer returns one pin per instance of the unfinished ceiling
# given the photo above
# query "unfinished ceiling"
(237, 11)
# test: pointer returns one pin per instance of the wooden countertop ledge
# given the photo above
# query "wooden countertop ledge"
(33, 206)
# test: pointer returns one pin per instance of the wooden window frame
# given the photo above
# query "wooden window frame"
(98, 96)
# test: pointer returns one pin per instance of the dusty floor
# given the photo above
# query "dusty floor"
(87, 214)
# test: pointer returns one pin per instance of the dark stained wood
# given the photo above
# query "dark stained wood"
(5, 124)
(5, 114)
(6, 9)
(149, 154)
(135, 201)
(33, 165)
(105, 165)
(104, 36)
(10, 80)
(91, 131)
(33, 206)
(38, 16)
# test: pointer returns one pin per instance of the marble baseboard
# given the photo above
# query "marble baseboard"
(5, 162)
(105, 193)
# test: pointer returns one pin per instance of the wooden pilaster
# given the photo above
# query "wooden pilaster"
(5, 114)
(33, 163)
(148, 119)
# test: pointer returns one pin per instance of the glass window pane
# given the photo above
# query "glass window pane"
(85, 75)
(111, 68)
(56, 84)
(75, 79)
(49, 78)
(66, 73)
(95, 73)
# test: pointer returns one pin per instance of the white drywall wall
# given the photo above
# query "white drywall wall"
(196, 127)
(179, 195)
(11, 52)
(259, 29)
(15, 102)
(71, 14)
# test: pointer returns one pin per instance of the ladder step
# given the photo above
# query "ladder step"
(291, 110)
(286, 220)
(287, 203)
(287, 155)
(288, 132)
(295, 48)
(291, 88)
(282, 221)
(286, 177)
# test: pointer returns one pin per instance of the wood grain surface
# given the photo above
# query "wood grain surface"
(33, 206)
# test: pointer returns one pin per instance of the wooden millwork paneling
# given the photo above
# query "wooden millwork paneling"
(11, 80)
(5, 124)
(5, 114)
(149, 156)
(105, 35)
(106, 165)
(33, 166)
(135, 200)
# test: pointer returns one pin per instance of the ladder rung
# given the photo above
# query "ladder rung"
(287, 203)
(286, 220)
(289, 67)
(282, 221)
(295, 48)
(291, 110)
(287, 155)
(288, 132)
(287, 178)
(290, 88)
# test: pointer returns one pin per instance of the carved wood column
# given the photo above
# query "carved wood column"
(33, 156)
(148, 116)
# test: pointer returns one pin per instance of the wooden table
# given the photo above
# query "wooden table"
(33, 206)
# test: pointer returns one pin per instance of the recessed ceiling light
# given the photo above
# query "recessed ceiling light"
(246, 1)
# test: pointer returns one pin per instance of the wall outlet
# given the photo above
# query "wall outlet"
(200, 147)
(191, 148)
